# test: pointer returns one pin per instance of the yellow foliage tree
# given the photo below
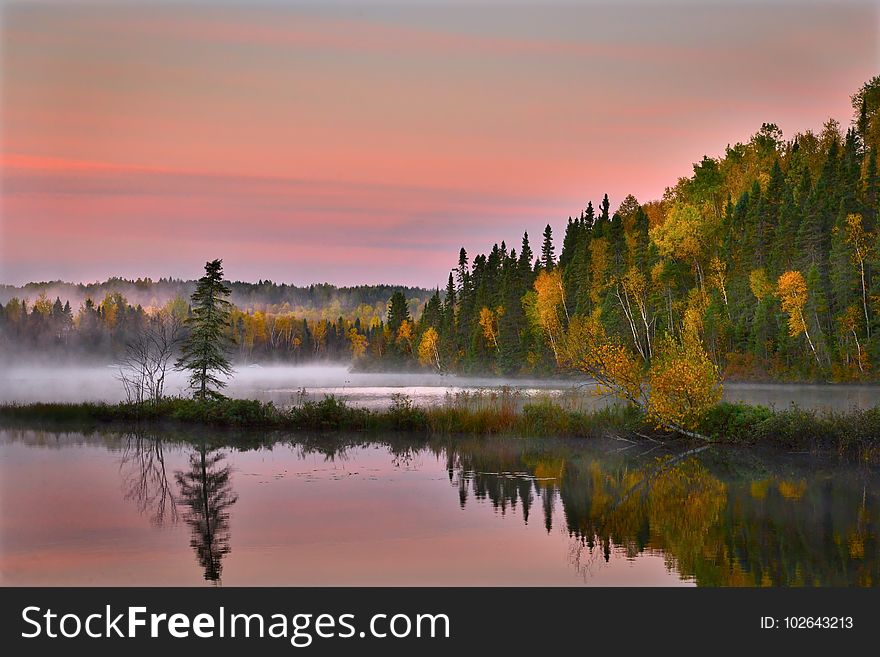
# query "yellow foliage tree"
(405, 335)
(261, 333)
(112, 305)
(849, 321)
(760, 285)
(550, 297)
(685, 235)
(793, 296)
(632, 294)
(859, 240)
(489, 323)
(429, 348)
(319, 336)
(683, 383)
(358, 344)
(718, 278)
(675, 390)
(614, 367)
(42, 305)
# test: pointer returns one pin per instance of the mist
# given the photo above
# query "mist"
(282, 384)
(287, 385)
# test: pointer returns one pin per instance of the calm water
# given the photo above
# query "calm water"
(152, 509)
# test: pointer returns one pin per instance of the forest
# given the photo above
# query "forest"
(767, 257)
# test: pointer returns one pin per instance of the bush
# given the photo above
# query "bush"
(403, 416)
(734, 422)
(545, 418)
(329, 414)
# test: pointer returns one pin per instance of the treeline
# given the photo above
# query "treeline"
(765, 261)
(101, 331)
(270, 321)
(768, 256)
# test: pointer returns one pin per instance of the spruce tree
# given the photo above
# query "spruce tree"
(525, 260)
(548, 258)
(398, 312)
(205, 349)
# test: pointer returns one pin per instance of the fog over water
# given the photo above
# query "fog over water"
(284, 385)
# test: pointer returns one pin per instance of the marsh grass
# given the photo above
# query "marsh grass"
(470, 412)
(853, 434)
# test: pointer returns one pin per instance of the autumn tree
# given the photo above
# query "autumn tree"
(405, 335)
(675, 390)
(358, 343)
(429, 348)
(686, 234)
(489, 323)
(860, 241)
(848, 322)
(549, 308)
(682, 382)
(792, 290)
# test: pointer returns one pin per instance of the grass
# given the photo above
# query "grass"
(465, 413)
(853, 434)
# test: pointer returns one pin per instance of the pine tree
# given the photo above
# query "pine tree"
(548, 259)
(570, 241)
(205, 349)
(525, 261)
(398, 312)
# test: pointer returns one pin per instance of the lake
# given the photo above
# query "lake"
(286, 385)
(211, 508)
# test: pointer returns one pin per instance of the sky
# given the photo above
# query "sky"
(357, 142)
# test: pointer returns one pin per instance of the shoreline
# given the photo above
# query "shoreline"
(853, 434)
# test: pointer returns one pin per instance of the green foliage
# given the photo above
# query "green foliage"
(733, 422)
(771, 204)
(204, 351)
(328, 414)
(402, 415)
(854, 434)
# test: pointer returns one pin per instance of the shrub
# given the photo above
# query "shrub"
(403, 416)
(734, 422)
(329, 414)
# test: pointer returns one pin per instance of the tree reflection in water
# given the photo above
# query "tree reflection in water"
(206, 492)
(717, 517)
(145, 478)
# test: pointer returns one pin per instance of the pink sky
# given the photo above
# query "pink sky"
(355, 144)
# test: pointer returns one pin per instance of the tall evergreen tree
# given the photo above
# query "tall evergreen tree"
(548, 258)
(398, 312)
(205, 349)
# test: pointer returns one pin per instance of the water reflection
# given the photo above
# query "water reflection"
(206, 490)
(331, 509)
(145, 478)
(719, 517)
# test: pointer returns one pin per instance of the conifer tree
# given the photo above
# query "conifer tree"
(204, 351)
(548, 258)
(398, 312)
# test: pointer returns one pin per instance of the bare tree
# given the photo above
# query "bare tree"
(147, 357)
